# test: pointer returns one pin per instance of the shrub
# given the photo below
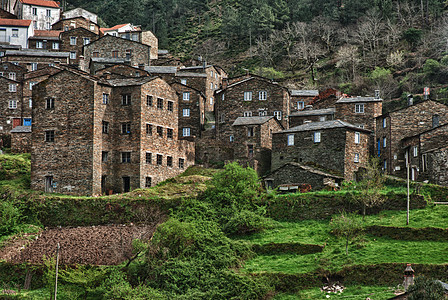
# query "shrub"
(246, 222)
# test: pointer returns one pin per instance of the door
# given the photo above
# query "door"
(103, 184)
(126, 184)
(16, 122)
(49, 184)
(26, 122)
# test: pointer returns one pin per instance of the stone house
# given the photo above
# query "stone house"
(11, 112)
(67, 24)
(110, 48)
(252, 141)
(42, 13)
(167, 73)
(359, 111)
(207, 85)
(104, 135)
(120, 71)
(393, 127)
(4, 12)
(292, 175)
(80, 12)
(73, 41)
(15, 32)
(334, 147)
(35, 59)
(310, 115)
(21, 139)
(250, 97)
(191, 113)
(45, 40)
(326, 99)
(302, 98)
(12, 71)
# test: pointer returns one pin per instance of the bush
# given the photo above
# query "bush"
(246, 222)
(431, 67)
(9, 217)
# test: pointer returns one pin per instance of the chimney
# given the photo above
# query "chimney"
(377, 95)
(410, 100)
(408, 277)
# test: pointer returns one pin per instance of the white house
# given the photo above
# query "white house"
(42, 13)
(80, 12)
(15, 32)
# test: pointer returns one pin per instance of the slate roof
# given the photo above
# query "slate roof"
(305, 93)
(109, 60)
(21, 129)
(358, 99)
(129, 81)
(161, 52)
(314, 112)
(241, 121)
(190, 74)
(324, 125)
(36, 53)
(161, 69)
(306, 168)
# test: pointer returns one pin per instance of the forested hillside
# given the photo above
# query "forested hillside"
(357, 45)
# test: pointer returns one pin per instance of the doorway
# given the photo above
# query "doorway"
(126, 184)
(49, 184)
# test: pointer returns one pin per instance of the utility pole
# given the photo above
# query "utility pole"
(56, 277)
(407, 181)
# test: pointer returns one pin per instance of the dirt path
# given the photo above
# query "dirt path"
(97, 245)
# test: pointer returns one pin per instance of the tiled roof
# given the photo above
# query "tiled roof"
(305, 93)
(324, 125)
(41, 3)
(103, 30)
(21, 129)
(314, 112)
(358, 99)
(15, 22)
(241, 121)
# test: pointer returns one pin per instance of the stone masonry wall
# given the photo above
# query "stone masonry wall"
(352, 148)
(10, 116)
(80, 34)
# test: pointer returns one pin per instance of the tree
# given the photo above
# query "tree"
(346, 225)
(370, 184)
(426, 289)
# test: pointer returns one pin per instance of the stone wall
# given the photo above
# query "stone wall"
(148, 38)
(121, 71)
(10, 116)
(42, 61)
(21, 142)
(300, 120)
(77, 22)
(80, 34)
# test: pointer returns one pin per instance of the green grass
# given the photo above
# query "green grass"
(350, 292)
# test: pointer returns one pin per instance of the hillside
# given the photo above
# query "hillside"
(355, 45)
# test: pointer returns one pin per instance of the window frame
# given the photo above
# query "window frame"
(317, 138)
(148, 158)
(170, 106)
(49, 136)
(125, 157)
(160, 103)
(105, 127)
(262, 95)
(247, 96)
(186, 112)
(359, 108)
(12, 104)
(290, 140)
(186, 96)
(73, 40)
(357, 137)
(159, 159)
(356, 158)
(186, 131)
(278, 114)
(125, 128)
(49, 103)
(125, 99)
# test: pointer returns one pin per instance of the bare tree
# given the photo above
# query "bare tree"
(348, 59)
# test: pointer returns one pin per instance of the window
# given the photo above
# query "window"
(125, 128)
(27, 122)
(384, 123)
(73, 55)
(211, 100)
(128, 54)
(247, 96)
(159, 159)
(34, 10)
(15, 33)
(30, 102)
(424, 163)
(86, 41)
(49, 136)
(148, 100)
(48, 13)
(73, 40)
(250, 150)
(415, 151)
(160, 131)
(322, 118)
(32, 83)
(148, 129)
(134, 37)
(126, 99)
(385, 165)
(262, 95)
(33, 66)
(211, 85)
(148, 158)
(384, 142)
(39, 45)
(92, 27)
(12, 104)
(278, 114)
(66, 28)
(186, 131)
(183, 81)
(357, 137)
(356, 160)
(13, 88)
(159, 103)
(262, 112)
(105, 98)
(247, 114)
(186, 96)
(55, 46)
(35, 24)
(170, 105)
(359, 108)
(115, 54)
(49, 103)
(290, 141)
(316, 137)
(231, 138)
(250, 131)
(169, 161)
(96, 54)
(300, 105)
(186, 112)
(104, 156)
(48, 25)
(126, 157)
(169, 133)
(105, 127)
(181, 163)
(435, 121)
(148, 182)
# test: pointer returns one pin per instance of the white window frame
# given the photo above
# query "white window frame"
(12, 104)
(290, 140)
(186, 131)
(15, 32)
(72, 54)
(12, 75)
(55, 46)
(359, 108)
(247, 96)
(231, 138)
(185, 112)
(86, 41)
(247, 114)
(356, 159)
(33, 66)
(105, 98)
(300, 105)
(73, 40)
(262, 95)
(384, 142)
(30, 102)
(384, 123)
(32, 83)
(186, 96)
(278, 114)
(48, 13)
(12, 88)
(317, 137)
(211, 100)
(34, 11)
(415, 151)
(183, 81)
(39, 44)
(357, 138)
